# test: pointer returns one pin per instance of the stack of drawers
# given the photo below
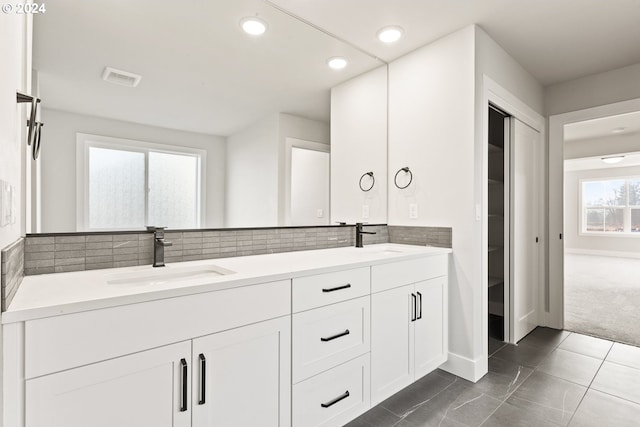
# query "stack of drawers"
(331, 347)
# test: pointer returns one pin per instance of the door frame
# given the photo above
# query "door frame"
(509, 103)
(554, 315)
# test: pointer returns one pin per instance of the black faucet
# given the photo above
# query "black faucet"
(158, 245)
(359, 234)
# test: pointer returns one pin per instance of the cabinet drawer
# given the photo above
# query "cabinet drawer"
(392, 275)
(327, 336)
(323, 289)
(334, 397)
(57, 343)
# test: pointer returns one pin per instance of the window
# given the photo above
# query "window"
(611, 206)
(125, 184)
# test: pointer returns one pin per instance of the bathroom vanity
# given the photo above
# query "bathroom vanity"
(291, 339)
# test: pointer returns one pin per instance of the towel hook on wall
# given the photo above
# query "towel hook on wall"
(35, 128)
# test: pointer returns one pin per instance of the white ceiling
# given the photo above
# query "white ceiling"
(555, 40)
(603, 127)
(591, 163)
(201, 73)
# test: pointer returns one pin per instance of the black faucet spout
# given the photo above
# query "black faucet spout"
(158, 245)
(359, 234)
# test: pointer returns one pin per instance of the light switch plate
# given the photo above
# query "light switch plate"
(365, 211)
(413, 210)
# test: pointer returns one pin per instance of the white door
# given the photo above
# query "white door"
(525, 187)
(143, 389)
(430, 340)
(392, 348)
(309, 191)
(242, 377)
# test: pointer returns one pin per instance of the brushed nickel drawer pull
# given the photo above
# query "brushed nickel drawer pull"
(336, 400)
(333, 337)
(337, 288)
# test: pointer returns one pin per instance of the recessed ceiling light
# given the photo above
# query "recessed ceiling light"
(253, 25)
(337, 62)
(612, 159)
(618, 130)
(390, 34)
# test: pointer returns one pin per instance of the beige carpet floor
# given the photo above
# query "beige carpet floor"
(602, 297)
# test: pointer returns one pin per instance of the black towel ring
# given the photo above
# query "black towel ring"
(373, 181)
(406, 170)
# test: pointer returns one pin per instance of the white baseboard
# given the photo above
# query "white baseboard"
(616, 254)
(470, 370)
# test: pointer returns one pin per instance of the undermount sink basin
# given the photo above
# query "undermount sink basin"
(162, 275)
(382, 249)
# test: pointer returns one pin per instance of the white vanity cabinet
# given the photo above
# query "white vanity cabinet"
(331, 345)
(300, 348)
(142, 389)
(408, 323)
(242, 377)
(98, 375)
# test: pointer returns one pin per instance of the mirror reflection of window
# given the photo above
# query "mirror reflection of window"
(129, 187)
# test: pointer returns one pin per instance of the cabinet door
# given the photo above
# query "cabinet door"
(142, 389)
(391, 342)
(242, 377)
(430, 325)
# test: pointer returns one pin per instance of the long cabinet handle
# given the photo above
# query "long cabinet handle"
(337, 288)
(333, 337)
(336, 400)
(203, 379)
(183, 397)
(413, 307)
(420, 304)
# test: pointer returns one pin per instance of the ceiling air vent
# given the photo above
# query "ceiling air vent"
(119, 77)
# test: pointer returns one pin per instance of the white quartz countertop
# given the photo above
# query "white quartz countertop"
(63, 293)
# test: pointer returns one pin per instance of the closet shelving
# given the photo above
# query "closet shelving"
(496, 222)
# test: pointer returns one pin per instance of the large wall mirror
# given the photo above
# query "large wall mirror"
(169, 114)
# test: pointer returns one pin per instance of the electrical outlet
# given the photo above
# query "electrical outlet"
(413, 211)
(319, 213)
(365, 211)
(478, 212)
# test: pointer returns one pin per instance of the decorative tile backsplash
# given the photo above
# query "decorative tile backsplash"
(429, 236)
(57, 253)
(77, 252)
(12, 270)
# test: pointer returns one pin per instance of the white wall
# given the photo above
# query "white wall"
(524, 96)
(59, 162)
(437, 110)
(359, 145)
(291, 126)
(594, 90)
(431, 130)
(15, 66)
(574, 242)
(252, 175)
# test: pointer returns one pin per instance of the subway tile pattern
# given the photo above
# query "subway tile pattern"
(12, 270)
(422, 236)
(62, 253)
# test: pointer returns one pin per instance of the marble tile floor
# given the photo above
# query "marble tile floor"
(551, 378)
